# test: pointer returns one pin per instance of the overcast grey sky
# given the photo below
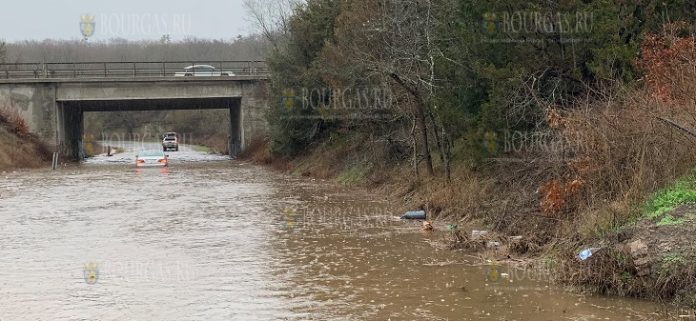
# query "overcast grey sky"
(129, 19)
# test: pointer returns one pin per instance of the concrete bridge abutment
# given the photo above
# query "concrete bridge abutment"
(54, 109)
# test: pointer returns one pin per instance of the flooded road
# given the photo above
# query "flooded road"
(213, 239)
(186, 153)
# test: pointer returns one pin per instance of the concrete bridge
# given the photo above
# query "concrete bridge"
(53, 102)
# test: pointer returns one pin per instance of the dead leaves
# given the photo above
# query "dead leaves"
(556, 195)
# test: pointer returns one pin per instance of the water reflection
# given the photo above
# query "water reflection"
(163, 171)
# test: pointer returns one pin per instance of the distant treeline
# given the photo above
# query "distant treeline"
(243, 48)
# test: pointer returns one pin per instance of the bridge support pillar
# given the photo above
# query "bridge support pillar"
(70, 132)
(235, 136)
(252, 114)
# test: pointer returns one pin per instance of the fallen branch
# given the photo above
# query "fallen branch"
(680, 127)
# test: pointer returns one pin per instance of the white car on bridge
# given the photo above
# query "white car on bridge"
(202, 71)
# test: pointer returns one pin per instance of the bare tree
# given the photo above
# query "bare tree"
(392, 40)
(272, 17)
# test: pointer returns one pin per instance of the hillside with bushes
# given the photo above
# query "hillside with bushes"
(18, 147)
(564, 124)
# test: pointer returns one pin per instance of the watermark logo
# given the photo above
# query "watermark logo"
(490, 142)
(288, 99)
(160, 25)
(87, 25)
(91, 273)
(492, 273)
(290, 213)
(536, 26)
(545, 142)
(161, 271)
(346, 103)
(339, 217)
(489, 22)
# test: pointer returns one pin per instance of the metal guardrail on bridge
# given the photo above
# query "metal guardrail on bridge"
(113, 69)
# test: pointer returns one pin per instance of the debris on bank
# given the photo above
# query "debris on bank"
(414, 215)
(587, 253)
(648, 259)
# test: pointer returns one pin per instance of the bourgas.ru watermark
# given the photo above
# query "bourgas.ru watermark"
(543, 142)
(536, 141)
(140, 140)
(114, 25)
(346, 218)
(358, 101)
(527, 145)
(536, 26)
(93, 272)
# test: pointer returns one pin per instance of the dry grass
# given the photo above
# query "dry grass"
(624, 152)
(216, 143)
(623, 148)
(461, 199)
(13, 122)
(257, 151)
(18, 147)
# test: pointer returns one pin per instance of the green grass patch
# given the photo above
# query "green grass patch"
(672, 262)
(626, 277)
(682, 191)
(668, 220)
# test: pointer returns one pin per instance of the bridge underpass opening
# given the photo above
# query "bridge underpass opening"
(71, 117)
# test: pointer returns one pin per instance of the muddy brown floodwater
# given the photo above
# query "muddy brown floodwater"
(224, 240)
